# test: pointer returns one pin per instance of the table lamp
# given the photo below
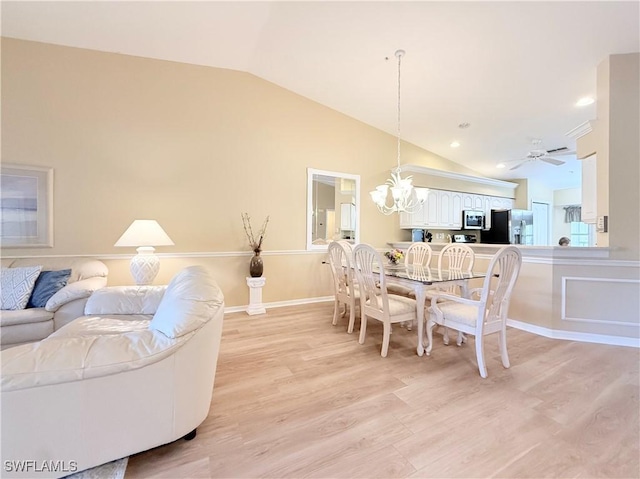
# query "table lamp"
(144, 234)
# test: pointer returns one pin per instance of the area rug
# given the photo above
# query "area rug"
(110, 470)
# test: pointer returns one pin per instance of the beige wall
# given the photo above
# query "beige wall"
(615, 139)
(624, 155)
(192, 147)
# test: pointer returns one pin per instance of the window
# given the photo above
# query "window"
(581, 234)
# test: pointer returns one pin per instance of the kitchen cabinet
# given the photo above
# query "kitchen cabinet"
(430, 212)
(425, 217)
(472, 201)
(450, 209)
(486, 202)
(443, 209)
(500, 203)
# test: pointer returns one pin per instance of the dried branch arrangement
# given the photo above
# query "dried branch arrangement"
(256, 245)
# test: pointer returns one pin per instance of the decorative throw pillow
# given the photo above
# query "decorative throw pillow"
(16, 285)
(48, 284)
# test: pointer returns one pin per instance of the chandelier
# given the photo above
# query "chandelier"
(404, 197)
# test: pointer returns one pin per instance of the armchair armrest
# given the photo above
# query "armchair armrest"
(78, 290)
(450, 297)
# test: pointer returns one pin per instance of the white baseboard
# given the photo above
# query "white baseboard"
(574, 335)
(282, 304)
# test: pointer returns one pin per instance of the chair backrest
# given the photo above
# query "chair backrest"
(373, 287)
(347, 245)
(460, 257)
(418, 253)
(502, 273)
(340, 268)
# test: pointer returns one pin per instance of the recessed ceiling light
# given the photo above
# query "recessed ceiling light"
(464, 125)
(587, 100)
(454, 144)
(500, 165)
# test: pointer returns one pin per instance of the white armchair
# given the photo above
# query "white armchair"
(483, 316)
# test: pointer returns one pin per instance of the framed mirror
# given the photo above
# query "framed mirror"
(333, 208)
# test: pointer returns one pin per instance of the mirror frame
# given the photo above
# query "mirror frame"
(310, 174)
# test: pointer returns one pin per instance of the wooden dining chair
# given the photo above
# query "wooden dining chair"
(347, 245)
(346, 291)
(459, 258)
(375, 302)
(485, 315)
(417, 254)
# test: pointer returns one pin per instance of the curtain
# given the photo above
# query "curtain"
(572, 213)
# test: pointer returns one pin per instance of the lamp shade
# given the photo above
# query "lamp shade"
(144, 233)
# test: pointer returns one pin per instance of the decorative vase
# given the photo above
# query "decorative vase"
(255, 266)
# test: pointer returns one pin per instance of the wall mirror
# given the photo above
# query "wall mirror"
(333, 208)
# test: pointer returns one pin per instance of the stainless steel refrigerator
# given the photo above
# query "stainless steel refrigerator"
(509, 227)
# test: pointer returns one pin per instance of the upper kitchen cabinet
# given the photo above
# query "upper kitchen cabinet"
(450, 210)
(443, 209)
(472, 201)
(500, 203)
(425, 216)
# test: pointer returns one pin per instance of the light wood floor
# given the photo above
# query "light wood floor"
(297, 397)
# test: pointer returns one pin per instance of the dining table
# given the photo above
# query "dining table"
(421, 279)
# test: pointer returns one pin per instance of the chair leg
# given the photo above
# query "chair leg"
(445, 337)
(461, 338)
(336, 309)
(480, 355)
(502, 342)
(352, 318)
(430, 326)
(363, 327)
(386, 328)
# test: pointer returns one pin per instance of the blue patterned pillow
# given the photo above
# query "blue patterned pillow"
(48, 284)
(16, 285)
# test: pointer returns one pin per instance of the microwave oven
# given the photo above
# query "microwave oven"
(472, 220)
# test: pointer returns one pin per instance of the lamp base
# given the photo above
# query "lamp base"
(144, 266)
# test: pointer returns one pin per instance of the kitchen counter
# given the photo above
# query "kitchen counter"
(567, 292)
(531, 252)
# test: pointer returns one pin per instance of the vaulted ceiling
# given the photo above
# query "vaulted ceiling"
(512, 70)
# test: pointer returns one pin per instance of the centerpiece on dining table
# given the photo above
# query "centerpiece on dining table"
(395, 256)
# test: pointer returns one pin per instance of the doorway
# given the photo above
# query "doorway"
(540, 223)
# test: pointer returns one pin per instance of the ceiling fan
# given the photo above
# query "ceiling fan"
(540, 154)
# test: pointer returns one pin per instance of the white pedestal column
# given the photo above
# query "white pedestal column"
(255, 295)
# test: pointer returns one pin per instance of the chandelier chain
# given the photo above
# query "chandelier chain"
(399, 55)
(404, 197)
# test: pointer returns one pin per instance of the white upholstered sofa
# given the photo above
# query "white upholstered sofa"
(135, 372)
(33, 324)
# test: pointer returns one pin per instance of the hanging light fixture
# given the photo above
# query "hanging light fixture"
(404, 197)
